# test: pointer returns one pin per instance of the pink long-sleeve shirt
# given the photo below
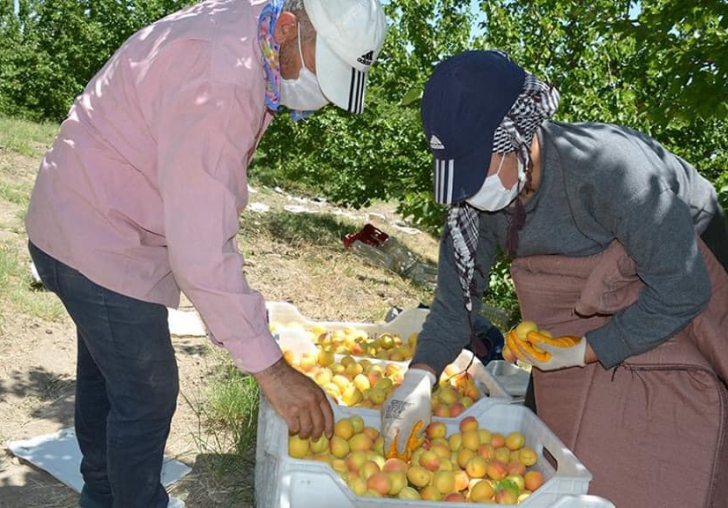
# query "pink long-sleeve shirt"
(142, 189)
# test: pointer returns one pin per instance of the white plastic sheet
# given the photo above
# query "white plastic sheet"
(59, 455)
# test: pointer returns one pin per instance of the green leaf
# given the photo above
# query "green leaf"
(509, 485)
(412, 95)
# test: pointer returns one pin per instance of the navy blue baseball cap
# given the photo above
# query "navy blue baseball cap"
(464, 102)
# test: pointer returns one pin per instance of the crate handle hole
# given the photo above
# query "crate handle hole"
(550, 459)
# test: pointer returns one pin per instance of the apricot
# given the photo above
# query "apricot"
(481, 491)
(454, 497)
(351, 396)
(524, 327)
(468, 423)
(357, 485)
(320, 445)
(441, 450)
(371, 432)
(503, 454)
(464, 455)
(361, 382)
(436, 430)
(485, 436)
(455, 441)
(394, 464)
(398, 481)
(506, 496)
(476, 467)
(409, 493)
(368, 469)
(339, 447)
(323, 376)
(516, 467)
(446, 465)
(448, 395)
(377, 396)
(360, 443)
(444, 482)
(462, 480)
(325, 359)
(297, 448)
(497, 440)
(344, 429)
(486, 451)
(527, 456)
(355, 461)
(471, 440)
(340, 466)
(418, 476)
(357, 422)
(515, 441)
(430, 493)
(430, 460)
(496, 470)
(379, 482)
(533, 480)
(456, 409)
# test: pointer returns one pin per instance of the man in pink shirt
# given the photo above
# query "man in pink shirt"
(139, 198)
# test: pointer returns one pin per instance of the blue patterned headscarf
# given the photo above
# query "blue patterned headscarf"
(271, 51)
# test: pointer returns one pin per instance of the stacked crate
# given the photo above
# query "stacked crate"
(287, 482)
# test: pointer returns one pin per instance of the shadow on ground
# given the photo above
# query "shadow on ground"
(55, 391)
(33, 488)
(218, 481)
(305, 228)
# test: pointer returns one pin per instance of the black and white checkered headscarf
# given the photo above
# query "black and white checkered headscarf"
(538, 102)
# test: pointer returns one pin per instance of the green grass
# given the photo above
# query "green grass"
(24, 137)
(234, 406)
(18, 293)
(18, 194)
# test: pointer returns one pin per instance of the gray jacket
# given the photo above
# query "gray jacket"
(599, 183)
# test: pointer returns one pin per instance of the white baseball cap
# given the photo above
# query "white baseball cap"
(349, 36)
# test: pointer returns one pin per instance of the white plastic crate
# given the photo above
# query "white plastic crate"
(289, 317)
(512, 378)
(488, 385)
(295, 339)
(285, 482)
(583, 502)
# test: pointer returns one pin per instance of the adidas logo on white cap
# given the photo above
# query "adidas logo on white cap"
(436, 144)
(366, 58)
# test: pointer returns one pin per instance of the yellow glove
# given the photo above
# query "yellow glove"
(543, 351)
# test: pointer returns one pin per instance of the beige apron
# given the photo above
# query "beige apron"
(653, 431)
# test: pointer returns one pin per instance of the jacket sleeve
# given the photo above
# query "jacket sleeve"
(447, 327)
(206, 131)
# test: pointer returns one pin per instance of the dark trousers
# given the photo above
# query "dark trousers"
(715, 238)
(126, 388)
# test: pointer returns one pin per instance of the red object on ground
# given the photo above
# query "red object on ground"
(369, 234)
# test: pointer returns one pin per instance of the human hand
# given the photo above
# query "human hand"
(542, 351)
(300, 401)
(406, 413)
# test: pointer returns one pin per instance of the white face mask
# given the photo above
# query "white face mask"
(493, 196)
(304, 92)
